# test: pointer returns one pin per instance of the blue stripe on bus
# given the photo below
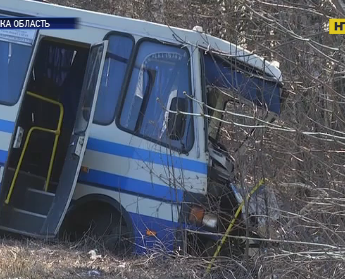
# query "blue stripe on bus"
(145, 155)
(131, 152)
(6, 126)
(3, 157)
(165, 233)
(122, 183)
(131, 185)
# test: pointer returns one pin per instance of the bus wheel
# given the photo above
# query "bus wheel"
(111, 231)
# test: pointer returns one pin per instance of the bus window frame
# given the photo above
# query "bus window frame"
(125, 92)
(127, 72)
(13, 14)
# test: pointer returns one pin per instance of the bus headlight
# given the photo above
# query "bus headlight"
(199, 217)
(210, 220)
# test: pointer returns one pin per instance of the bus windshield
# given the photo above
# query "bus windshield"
(231, 118)
(236, 94)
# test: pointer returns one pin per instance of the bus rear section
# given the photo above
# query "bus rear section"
(49, 88)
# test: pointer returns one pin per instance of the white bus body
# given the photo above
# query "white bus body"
(123, 162)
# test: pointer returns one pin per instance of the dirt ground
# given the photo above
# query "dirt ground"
(28, 259)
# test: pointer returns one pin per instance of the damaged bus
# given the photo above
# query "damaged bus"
(113, 128)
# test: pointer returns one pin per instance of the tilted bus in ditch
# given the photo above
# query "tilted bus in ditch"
(90, 137)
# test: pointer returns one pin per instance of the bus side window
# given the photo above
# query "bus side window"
(14, 61)
(160, 77)
(115, 66)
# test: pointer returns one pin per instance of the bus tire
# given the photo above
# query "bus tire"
(110, 230)
(103, 220)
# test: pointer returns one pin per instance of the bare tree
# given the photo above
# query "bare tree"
(340, 4)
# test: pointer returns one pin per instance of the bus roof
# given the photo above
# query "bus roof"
(141, 28)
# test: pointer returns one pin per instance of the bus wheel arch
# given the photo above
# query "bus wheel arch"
(101, 217)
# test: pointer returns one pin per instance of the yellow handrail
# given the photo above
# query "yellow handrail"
(57, 134)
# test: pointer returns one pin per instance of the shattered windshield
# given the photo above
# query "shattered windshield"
(215, 104)
(238, 98)
(230, 118)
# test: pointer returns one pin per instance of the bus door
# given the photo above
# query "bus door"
(39, 211)
(77, 147)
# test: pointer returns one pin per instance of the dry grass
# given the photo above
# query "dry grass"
(29, 259)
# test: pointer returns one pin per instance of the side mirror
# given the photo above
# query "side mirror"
(177, 121)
